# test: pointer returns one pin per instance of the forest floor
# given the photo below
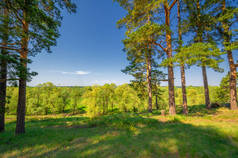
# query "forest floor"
(203, 133)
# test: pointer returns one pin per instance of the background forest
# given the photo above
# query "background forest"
(96, 100)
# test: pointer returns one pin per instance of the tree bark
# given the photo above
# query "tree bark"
(3, 74)
(3, 90)
(183, 82)
(233, 76)
(21, 107)
(232, 65)
(172, 108)
(156, 102)
(149, 84)
(206, 88)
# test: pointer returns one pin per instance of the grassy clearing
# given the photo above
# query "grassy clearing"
(210, 133)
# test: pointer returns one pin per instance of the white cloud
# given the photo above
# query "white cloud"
(76, 73)
(82, 72)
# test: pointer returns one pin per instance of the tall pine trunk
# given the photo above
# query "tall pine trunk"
(182, 69)
(233, 79)
(183, 82)
(206, 88)
(3, 90)
(172, 108)
(21, 107)
(3, 73)
(204, 71)
(149, 84)
(233, 73)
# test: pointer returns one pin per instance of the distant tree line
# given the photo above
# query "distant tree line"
(98, 100)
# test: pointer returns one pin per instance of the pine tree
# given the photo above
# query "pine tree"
(141, 11)
(202, 23)
(227, 17)
(141, 54)
(36, 22)
(167, 11)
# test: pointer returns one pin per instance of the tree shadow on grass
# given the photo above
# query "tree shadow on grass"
(198, 110)
(122, 136)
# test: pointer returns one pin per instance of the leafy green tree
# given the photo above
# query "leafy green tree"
(75, 99)
(34, 101)
(12, 98)
(64, 100)
(222, 92)
(44, 91)
(108, 96)
(127, 99)
(98, 99)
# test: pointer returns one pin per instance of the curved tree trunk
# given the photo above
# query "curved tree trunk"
(21, 107)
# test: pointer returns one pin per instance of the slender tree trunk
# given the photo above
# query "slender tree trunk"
(112, 107)
(183, 82)
(233, 73)
(3, 73)
(204, 71)
(21, 107)
(172, 108)
(206, 88)
(149, 84)
(156, 102)
(182, 69)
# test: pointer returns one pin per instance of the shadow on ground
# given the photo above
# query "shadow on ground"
(116, 136)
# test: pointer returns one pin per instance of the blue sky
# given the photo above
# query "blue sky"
(89, 51)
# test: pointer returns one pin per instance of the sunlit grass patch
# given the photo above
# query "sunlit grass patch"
(124, 135)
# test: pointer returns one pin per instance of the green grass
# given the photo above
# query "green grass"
(209, 133)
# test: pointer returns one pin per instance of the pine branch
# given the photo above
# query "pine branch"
(8, 44)
(9, 48)
(9, 79)
(159, 44)
(15, 12)
(172, 5)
